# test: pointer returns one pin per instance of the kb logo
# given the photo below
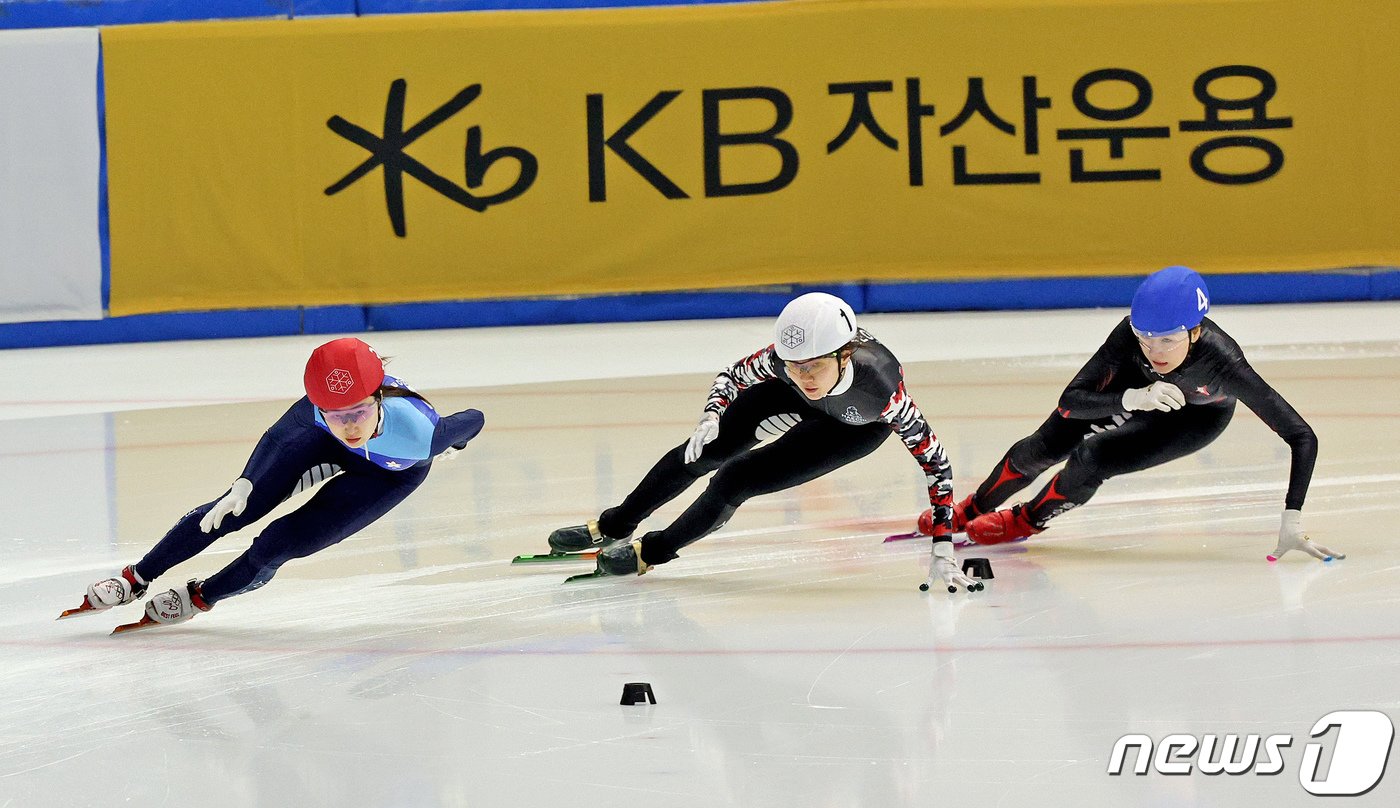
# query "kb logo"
(387, 150)
(1358, 757)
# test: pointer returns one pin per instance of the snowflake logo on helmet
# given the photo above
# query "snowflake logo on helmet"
(793, 336)
(339, 381)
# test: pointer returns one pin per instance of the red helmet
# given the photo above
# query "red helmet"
(342, 373)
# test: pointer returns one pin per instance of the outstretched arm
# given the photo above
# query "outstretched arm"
(454, 431)
(1280, 416)
(904, 417)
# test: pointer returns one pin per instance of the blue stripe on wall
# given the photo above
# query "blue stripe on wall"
(602, 309)
(104, 229)
(1040, 293)
(84, 13)
(69, 14)
(313, 8)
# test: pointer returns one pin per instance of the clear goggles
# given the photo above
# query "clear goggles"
(351, 415)
(807, 367)
(1163, 340)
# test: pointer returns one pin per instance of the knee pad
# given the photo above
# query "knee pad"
(728, 485)
(1030, 457)
(1083, 468)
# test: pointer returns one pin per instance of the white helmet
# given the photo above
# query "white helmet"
(813, 325)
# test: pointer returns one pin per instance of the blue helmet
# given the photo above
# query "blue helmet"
(1170, 300)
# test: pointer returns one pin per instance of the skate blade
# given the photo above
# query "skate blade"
(997, 542)
(594, 574)
(86, 608)
(552, 558)
(143, 623)
(959, 539)
(904, 537)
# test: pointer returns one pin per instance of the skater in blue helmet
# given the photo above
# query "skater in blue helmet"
(1162, 386)
(366, 438)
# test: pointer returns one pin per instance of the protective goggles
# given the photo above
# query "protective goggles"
(1163, 340)
(351, 415)
(809, 366)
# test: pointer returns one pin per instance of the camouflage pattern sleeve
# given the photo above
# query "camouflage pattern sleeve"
(758, 367)
(904, 417)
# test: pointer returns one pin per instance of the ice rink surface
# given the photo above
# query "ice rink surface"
(794, 660)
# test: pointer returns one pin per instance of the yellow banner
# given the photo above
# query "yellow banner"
(452, 156)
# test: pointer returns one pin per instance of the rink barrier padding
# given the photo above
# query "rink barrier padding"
(1003, 295)
(784, 143)
(69, 14)
(1360, 284)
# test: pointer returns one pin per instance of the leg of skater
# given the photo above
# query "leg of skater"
(811, 449)
(1147, 440)
(755, 414)
(342, 507)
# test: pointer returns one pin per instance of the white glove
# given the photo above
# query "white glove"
(450, 453)
(1292, 537)
(232, 503)
(1162, 396)
(944, 566)
(706, 431)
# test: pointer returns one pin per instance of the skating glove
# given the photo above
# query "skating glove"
(706, 431)
(232, 503)
(1162, 396)
(943, 566)
(1292, 537)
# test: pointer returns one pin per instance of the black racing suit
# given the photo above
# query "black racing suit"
(1100, 439)
(755, 399)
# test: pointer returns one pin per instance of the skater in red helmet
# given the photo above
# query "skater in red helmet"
(1162, 386)
(366, 438)
(828, 391)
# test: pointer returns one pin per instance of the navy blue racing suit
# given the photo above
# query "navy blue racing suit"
(357, 486)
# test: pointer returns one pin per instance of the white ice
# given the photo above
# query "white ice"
(794, 660)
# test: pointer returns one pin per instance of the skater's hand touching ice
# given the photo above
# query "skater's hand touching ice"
(1292, 537)
(705, 432)
(232, 503)
(1161, 396)
(943, 566)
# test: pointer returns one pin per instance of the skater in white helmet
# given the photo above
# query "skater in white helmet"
(829, 390)
(1163, 385)
(365, 438)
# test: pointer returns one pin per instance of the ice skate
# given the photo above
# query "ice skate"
(1001, 527)
(618, 558)
(119, 590)
(550, 558)
(576, 543)
(578, 538)
(170, 607)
